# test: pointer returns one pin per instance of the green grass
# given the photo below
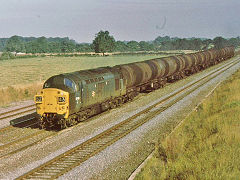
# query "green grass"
(18, 93)
(206, 145)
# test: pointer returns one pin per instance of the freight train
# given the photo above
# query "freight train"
(66, 99)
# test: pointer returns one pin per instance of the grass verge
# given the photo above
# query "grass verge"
(206, 145)
(18, 93)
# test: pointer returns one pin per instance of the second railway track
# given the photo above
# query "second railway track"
(17, 111)
(12, 142)
(74, 157)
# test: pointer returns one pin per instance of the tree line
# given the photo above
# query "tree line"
(104, 42)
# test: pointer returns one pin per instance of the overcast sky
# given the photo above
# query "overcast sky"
(124, 19)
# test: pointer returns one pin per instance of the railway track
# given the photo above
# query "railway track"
(17, 143)
(75, 156)
(18, 111)
(14, 139)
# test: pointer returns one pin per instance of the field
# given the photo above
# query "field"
(22, 78)
(25, 71)
(206, 145)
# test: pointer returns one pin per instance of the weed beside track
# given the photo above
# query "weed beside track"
(206, 145)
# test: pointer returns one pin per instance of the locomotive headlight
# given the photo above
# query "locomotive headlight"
(38, 99)
(61, 99)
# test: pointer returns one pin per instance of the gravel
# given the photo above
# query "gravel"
(121, 158)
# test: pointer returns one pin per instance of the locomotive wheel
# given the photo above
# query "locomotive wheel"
(113, 105)
(62, 124)
(69, 123)
(42, 125)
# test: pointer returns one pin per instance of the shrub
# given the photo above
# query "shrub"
(7, 55)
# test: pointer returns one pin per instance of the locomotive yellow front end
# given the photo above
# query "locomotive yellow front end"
(52, 105)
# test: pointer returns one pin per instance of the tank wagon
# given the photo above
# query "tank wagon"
(69, 98)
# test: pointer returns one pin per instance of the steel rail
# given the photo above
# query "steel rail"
(8, 114)
(27, 138)
(24, 142)
(12, 128)
(75, 156)
(5, 129)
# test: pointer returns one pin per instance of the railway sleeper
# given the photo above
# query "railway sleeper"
(69, 161)
(53, 170)
(105, 140)
(83, 156)
(46, 173)
(74, 158)
(60, 164)
(88, 148)
(40, 174)
(82, 149)
(86, 152)
(39, 177)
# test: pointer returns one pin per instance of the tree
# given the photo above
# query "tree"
(42, 45)
(160, 39)
(14, 44)
(133, 46)
(67, 46)
(39, 45)
(207, 44)
(196, 44)
(234, 42)
(121, 46)
(219, 42)
(145, 46)
(6, 55)
(103, 42)
(83, 47)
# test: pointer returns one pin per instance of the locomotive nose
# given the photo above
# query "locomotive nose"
(50, 100)
(53, 101)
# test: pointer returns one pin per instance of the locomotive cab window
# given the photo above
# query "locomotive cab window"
(69, 83)
(46, 85)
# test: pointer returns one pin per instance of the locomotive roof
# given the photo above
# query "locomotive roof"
(104, 72)
(89, 76)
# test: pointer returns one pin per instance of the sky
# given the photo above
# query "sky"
(124, 19)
